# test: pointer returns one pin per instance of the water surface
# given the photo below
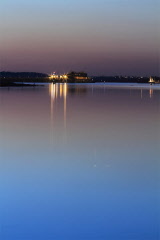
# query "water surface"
(80, 162)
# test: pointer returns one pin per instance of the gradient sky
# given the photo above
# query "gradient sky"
(102, 37)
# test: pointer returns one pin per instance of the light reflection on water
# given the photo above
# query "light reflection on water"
(79, 162)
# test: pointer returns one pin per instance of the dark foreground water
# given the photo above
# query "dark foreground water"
(80, 162)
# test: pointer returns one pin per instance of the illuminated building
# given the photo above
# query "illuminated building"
(53, 76)
(58, 77)
(70, 77)
(77, 76)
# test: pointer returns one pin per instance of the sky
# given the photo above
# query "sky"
(101, 37)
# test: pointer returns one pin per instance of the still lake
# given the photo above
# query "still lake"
(80, 162)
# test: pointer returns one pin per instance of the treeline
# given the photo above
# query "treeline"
(11, 78)
(121, 79)
(22, 75)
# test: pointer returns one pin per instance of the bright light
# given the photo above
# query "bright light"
(65, 76)
(151, 80)
(54, 76)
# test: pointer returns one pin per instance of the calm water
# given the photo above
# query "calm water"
(80, 162)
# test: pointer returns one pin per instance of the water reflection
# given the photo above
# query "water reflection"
(52, 91)
(141, 94)
(79, 162)
(65, 103)
(61, 89)
(57, 91)
(151, 93)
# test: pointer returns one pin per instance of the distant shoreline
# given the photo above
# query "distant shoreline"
(23, 79)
